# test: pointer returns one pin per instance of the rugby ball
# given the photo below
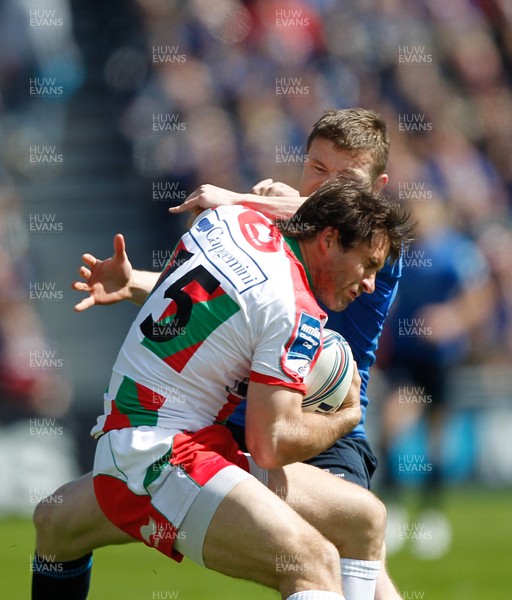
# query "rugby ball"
(329, 380)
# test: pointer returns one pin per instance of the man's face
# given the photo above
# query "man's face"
(343, 275)
(325, 162)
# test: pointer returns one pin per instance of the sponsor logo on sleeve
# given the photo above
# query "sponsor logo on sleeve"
(303, 346)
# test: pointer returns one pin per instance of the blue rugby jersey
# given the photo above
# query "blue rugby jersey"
(361, 325)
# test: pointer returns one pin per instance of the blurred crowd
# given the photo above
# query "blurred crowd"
(33, 58)
(241, 83)
(226, 93)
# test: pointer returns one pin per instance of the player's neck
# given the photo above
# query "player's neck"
(297, 247)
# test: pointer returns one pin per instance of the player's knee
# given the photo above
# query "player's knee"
(328, 561)
(372, 524)
(311, 556)
(46, 522)
(52, 532)
(380, 518)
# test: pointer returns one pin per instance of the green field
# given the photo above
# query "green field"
(477, 566)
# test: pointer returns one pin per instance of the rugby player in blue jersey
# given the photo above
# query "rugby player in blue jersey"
(353, 142)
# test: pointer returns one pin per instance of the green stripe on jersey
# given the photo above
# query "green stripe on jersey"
(205, 318)
(128, 403)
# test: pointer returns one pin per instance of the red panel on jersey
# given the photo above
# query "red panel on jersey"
(116, 419)
(179, 359)
(259, 231)
(268, 380)
(149, 399)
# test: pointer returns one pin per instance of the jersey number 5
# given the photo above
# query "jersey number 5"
(164, 332)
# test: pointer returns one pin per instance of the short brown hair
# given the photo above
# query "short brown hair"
(355, 211)
(355, 129)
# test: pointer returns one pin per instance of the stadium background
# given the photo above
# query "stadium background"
(112, 112)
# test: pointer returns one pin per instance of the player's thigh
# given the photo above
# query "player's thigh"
(348, 515)
(252, 532)
(70, 523)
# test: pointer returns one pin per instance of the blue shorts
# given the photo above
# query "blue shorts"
(349, 458)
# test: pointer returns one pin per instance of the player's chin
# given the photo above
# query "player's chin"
(339, 304)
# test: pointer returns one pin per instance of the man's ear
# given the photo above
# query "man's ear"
(380, 182)
(329, 238)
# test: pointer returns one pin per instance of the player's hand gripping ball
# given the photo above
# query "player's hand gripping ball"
(329, 380)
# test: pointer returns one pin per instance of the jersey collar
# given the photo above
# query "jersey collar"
(295, 248)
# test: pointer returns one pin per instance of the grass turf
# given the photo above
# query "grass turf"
(477, 566)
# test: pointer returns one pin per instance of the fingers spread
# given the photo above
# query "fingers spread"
(80, 286)
(85, 272)
(89, 260)
(84, 304)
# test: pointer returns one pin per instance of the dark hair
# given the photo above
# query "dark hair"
(355, 129)
(355, 211)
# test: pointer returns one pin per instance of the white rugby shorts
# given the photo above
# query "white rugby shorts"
(163, 486)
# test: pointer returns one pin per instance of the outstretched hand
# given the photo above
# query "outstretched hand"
(207, 196)
(106, 281)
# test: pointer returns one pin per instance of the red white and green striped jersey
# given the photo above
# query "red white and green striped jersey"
(233, 304)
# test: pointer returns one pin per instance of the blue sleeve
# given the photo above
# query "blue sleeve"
(361, 324)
